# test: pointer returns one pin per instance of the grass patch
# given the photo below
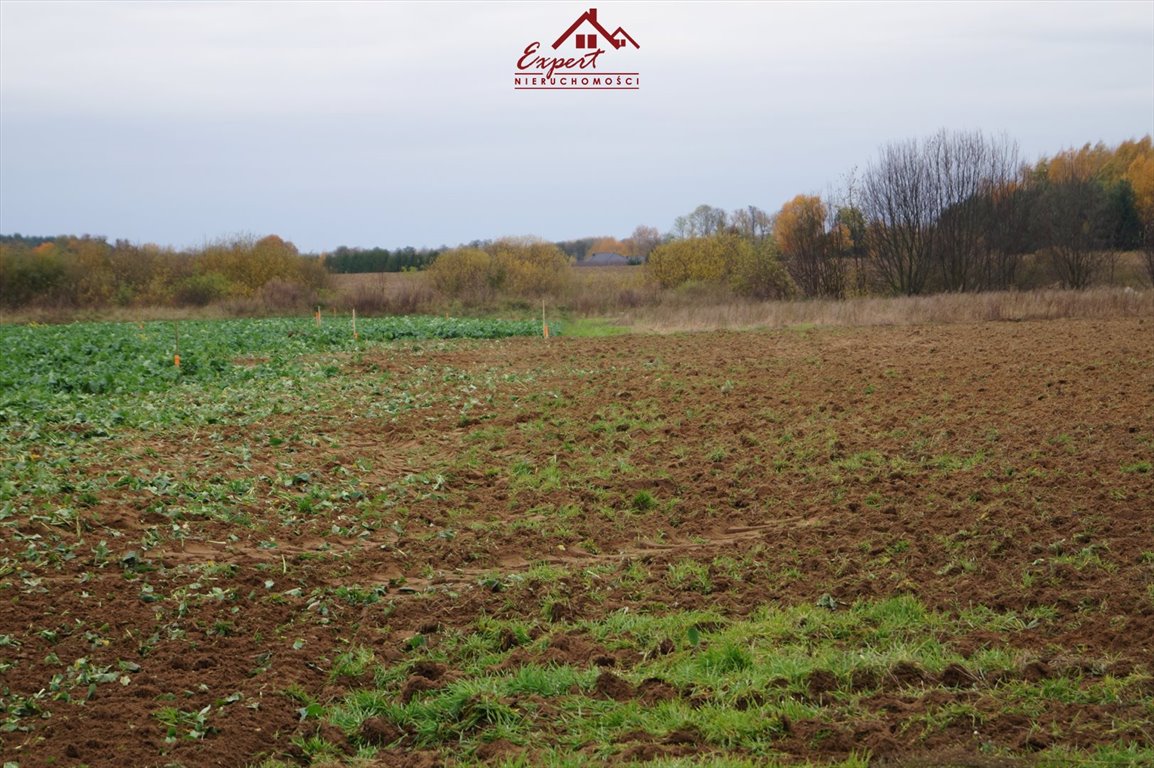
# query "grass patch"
(697, 678)
(593, 328)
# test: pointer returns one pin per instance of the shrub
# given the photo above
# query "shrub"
(698, 259)
(203, 289)
(30, 274)
(530, 268)
(750, 267)
(513, 268)
(464, 273)
(756, 271)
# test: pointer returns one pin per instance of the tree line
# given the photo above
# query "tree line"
(351, 260)
(957, 212)
(87, 271)
(346, 260)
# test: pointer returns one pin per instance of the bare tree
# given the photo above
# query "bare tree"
(850, 225)
(1007, 234)
(705, 220)
(751, 222)
(1071, 222)
(967, 169)
(645, 239)
(929, 208)
(899, 201)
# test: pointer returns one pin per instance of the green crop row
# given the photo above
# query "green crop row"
(107, 358)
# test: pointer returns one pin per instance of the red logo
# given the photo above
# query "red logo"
(580, 51)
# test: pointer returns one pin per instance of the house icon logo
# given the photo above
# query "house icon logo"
(581, 50)
(619, 38)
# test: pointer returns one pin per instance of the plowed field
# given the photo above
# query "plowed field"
(917, 545)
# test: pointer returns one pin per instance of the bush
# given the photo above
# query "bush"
(464, 273)
(697, 259)
(757, 273)
(749, 267)
(510, 268)
(30, 274)
(203, 289)
(530, 268)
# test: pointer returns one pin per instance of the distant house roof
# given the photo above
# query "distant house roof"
(604, 259)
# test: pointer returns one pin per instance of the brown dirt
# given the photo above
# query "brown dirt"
(723, 431)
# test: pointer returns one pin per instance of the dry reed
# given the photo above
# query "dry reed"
(1099, 303)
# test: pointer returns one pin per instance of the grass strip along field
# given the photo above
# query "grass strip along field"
(928, 545)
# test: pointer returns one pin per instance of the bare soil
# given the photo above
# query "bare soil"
(996, 464)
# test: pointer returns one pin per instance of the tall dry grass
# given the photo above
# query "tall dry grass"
(56, 315)
(1050, 304)
(385, 293)
(622, 295)
(277, 298)
(602, 291)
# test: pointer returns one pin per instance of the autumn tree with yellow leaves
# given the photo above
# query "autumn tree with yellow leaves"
(1087, 208)
(750, 268)
(512, 268)
(74, 272)
(812, 246)
(1139, 174)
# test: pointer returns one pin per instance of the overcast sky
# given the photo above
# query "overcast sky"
(392, 124)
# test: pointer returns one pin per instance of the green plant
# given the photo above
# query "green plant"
(181, 724)
(690, 575)
(354, 662)
(643, 501)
